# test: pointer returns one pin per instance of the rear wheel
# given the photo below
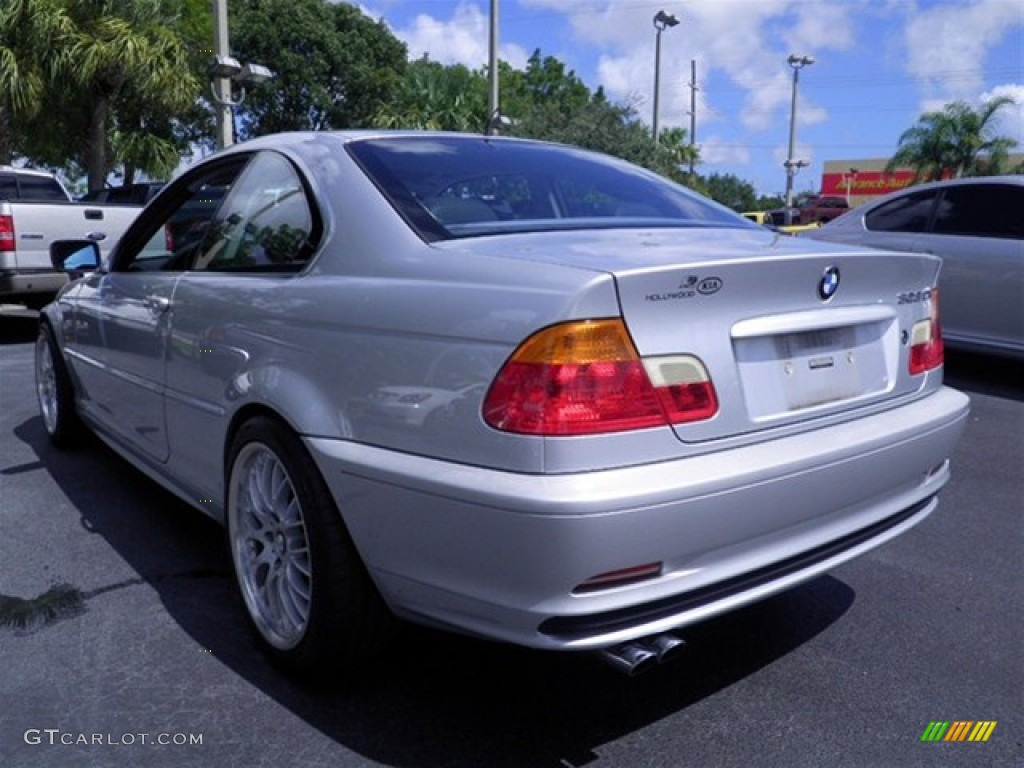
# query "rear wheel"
(306, 592)
(55, 392)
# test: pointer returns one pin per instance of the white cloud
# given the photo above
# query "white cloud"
(464, 38)
(947, 44)
(748, 42)
(717, 151)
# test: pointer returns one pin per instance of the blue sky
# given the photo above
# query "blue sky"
(879, 64)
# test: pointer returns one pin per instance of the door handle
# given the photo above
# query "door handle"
(157, 304)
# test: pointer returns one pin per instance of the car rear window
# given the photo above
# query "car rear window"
(30, 188)
(450, 186)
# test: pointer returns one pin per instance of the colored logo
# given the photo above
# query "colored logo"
(959, 730)
(829, 283)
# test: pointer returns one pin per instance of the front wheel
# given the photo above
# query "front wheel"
(306, 592)
(55, 392)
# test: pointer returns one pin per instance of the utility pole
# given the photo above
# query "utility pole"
(493, 106)
(693, 112)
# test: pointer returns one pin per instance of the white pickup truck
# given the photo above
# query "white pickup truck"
(35, 210)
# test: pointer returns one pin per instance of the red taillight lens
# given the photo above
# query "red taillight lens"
(6, 233)
(585, 377)
(926, 347)
(621, 578)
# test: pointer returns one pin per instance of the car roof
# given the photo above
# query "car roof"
(296, 139)
(26, 171)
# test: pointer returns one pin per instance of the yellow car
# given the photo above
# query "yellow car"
(758, 217)
(796, 229)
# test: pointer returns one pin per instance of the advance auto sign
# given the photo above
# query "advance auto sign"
(865, 183)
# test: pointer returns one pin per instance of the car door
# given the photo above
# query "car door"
(122, 319)
(899, 223)
(229, 307)
(978, 230)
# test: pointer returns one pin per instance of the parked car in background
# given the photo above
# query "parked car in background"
(35, 210)
(764, 218)
(23, 185)
(821, 209)
(977, 227)
(139, 193)
(504, 387)
(776, 221)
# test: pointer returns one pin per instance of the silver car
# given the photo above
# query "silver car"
(976, 226)
(503, 387)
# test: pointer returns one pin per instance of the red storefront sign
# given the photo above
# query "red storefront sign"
(865, 183)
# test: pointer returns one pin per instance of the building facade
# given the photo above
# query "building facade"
(865, 179)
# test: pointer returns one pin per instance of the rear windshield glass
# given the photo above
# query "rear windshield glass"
(448, 187)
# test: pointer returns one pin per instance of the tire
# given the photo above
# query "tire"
(55, 392)
(305, 590)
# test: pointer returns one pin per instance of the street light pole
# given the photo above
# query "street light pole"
(797, 63)
(222, 85)
(225, 72)
(662, 21)
(494, 107)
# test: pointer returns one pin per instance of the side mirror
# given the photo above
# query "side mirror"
(74, 256)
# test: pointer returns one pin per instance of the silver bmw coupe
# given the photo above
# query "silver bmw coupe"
(503, 387)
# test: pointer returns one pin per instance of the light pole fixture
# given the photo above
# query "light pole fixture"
(850, 179)
(797, 63)
(224, 72)
(662, 21)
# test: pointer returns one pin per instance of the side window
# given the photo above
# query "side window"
(41, 189)
(8, 187)
(180, 226)
(905, 214)
(981, 210)
(264, 224)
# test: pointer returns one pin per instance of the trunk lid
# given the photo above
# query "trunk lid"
(789, 330)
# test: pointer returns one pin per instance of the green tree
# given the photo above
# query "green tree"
(956, 141)
(432, 96)
(26, 28)
(97, 82)
(547, 102)
(731, 191)
(544, 82)
(334, 67)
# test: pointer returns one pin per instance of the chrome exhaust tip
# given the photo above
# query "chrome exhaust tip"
(637, 656)
(629, 658)
(665, 646)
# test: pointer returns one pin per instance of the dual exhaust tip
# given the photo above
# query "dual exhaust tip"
(636, 656)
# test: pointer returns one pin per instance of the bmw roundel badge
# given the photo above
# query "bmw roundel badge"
(829, 283)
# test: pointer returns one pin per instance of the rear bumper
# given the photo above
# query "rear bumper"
(498, 554)
(26, 283)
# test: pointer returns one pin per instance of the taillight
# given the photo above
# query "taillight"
(585, 377)
(6, 233)
(620, 578)
(926, 348)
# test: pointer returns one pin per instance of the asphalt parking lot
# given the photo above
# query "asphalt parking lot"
(150, 663)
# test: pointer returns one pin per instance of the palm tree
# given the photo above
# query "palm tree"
(958, 141)
(26, 28)
(106, 72)
(132, 56)
(432, 96)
